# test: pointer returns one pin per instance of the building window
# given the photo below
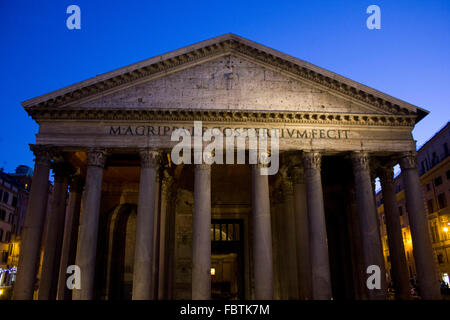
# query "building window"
(438, 181)
(1, 235)
(400, 211)
(442, 201)
(445, 149)
(434, 159)
(430, 206)
(4, 256)
(440, 258)
(8, 236)
(423, 166)
(428, 187)
(434, 232)
(14, 202)
(2, 215)
(5, 197)
(448, 174)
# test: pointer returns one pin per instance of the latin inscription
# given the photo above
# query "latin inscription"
(284, 133)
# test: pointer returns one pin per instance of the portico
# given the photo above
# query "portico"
(145, 223)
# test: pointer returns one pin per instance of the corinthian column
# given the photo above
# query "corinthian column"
(262, 235)
(143, 259)
(372, 249)
(320, 265)
(201, 234)
(418, 222)
(69, 246)
(302, 234)
(394, 232)
(87, 241)
(163, 274)
(289, 235)
(32, 230)
(55, 232)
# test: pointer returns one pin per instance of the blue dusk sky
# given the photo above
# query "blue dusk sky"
(408, 58)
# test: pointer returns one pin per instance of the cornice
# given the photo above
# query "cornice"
(115, 114)
(73, 94)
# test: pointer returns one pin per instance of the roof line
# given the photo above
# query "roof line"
(228, 36)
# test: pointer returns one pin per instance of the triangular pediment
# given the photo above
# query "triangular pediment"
(224, 73)
(229, 83)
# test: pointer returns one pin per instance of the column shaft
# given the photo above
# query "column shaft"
(290, 243)
(201, 234)
(32, 230)
(163, 237)
(156, 236)
(372, 248)
(394, 233)
(320, 265)
(143, 261)
(302, 234)
(262, 237)
(55, 233)
(69, 245)
(418, 222)
(87, 241)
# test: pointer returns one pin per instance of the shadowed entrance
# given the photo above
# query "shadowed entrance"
(227, 263)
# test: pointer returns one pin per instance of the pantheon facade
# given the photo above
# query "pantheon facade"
(138, 226)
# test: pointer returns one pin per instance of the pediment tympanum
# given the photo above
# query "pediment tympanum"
(224, 73)
(229, 83)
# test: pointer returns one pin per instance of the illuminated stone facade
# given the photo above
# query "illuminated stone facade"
(150, 229)
(434, 169)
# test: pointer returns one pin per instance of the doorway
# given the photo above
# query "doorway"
(227, 261)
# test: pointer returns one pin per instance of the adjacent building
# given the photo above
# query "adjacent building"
(140, 224)
(434, 170)
(14, 190)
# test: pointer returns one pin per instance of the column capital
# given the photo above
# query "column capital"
(286, 185)
(260, 165)
(298, 175)
(312, 160)
(360, 160)
(77, 183)
(386, 174)
(166, 182)
(408, 160)
(62, 170)
(150, 158)
(42, 153)
(97, 157)
(202, 166)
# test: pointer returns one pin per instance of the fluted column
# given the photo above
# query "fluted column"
(262, 235)
(143, 259)
(87, 241)
(156, 234)
(33, 227)
(320, 265)
(289, 235)
(394, 233)
(201, 234)
(55, 233)
(302, 233)
(418, 222)
(163, 236)
(370, 233)
(69, 245)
